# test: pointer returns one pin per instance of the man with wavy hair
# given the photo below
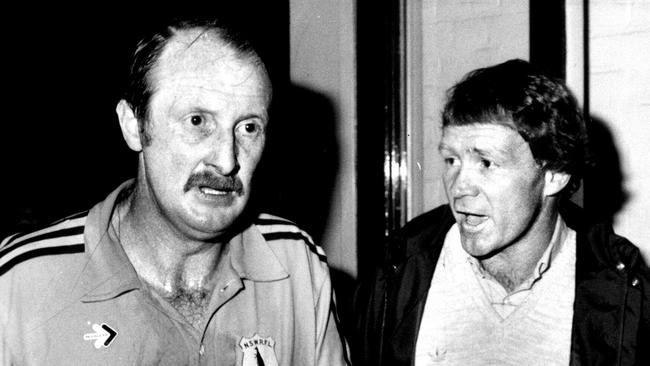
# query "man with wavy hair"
(509, 272)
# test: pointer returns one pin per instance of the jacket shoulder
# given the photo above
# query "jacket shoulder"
(599, 246)
(421, 233)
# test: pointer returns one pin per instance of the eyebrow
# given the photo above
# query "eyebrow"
(264, 116)
(497, 152)
(493, 151)
(443, 146)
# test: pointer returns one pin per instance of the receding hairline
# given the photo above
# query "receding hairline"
(185, 38)
(190, 36)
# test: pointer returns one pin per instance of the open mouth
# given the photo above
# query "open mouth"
(472, 221)
(208, 191)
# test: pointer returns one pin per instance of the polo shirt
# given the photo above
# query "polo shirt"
(70, 296)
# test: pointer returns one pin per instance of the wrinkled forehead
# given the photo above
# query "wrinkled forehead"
(487, 119)
(483, 137)
(190, 48)
(202, 53)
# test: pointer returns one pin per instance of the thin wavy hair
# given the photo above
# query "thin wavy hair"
(541, 109)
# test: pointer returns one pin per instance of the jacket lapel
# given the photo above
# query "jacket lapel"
(414, 257)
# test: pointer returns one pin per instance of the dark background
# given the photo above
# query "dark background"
(61, 148)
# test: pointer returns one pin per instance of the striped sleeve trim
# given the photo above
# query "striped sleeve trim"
(8, 240)
(70, 221)
(63, 238)
(274, 228)
(40, 252)
(71, 231)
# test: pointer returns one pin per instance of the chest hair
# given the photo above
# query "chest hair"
(193, 305)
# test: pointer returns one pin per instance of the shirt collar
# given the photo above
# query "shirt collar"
(560, 234)
(253, 259)
(108, 272)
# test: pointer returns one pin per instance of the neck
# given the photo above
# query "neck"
(516, 263)
(165, 260)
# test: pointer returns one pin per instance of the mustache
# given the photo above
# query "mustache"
(214, 181)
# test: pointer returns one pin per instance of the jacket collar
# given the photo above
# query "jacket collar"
(603, 262)
(413, 257)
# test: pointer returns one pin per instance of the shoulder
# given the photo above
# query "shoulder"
(63, 237)
(285, 234)
(294, 248)
(420, 234)
(416, 245)
(440, 218)
(38, 269)
(598, 245)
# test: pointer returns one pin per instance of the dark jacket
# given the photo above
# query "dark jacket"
(611, 321)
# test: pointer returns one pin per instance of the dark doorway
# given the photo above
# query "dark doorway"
(380, 125)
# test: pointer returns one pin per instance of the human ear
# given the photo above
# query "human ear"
(554, 182)
(129, 125)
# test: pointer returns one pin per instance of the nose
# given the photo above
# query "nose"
(463, 182)
(223, 153)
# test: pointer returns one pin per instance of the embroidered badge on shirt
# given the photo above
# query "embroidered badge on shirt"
(103, 335)
(258, 351)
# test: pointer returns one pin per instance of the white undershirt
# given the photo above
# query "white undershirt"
(470, 319)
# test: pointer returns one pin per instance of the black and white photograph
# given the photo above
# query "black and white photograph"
(326, 182)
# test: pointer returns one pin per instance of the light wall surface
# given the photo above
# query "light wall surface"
(323, 61)
(456, 37)
(447, 39)
(619, 91)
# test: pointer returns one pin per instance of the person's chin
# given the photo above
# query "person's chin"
(210, 229)
(208, 213)
(477, 245)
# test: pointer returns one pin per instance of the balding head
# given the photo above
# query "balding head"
(141, 85)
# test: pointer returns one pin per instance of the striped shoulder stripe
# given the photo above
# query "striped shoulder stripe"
(75, 220)
(40, 252)
(275, 228)
(268, 219)
(62, 238)
(8, 240)
(70, 231)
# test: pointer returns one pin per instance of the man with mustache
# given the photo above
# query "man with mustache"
(171, 268)
(510, 272)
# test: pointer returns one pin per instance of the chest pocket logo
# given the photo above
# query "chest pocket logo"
(258, 351)
(103, 335)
